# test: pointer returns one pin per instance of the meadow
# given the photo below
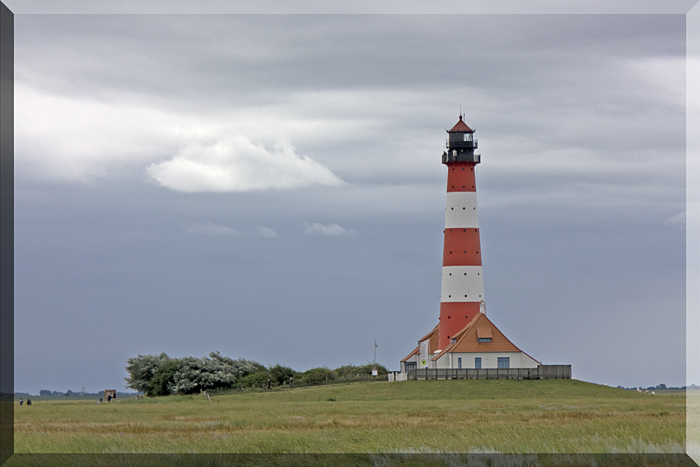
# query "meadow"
(466, 416)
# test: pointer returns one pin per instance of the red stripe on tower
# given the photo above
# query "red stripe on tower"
(462, 292)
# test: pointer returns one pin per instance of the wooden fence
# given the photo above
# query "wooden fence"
(541, 372)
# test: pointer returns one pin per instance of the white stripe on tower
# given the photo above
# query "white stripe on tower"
(461, 210)
(462, 284)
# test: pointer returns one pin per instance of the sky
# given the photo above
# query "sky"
(270, 186)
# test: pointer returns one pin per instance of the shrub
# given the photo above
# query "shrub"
(281, 374)
(254, 380)
(367, 369)
(347, 371)
(159, 375)
(316, 376)
(352, 371)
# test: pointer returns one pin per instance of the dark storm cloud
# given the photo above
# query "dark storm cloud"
(205, 59)
(361, 6)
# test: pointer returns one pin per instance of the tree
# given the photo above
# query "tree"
(162, 375)
(280, 374)
(163, 382)
(142, 369)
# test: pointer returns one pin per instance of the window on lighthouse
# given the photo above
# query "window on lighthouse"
(468, 136)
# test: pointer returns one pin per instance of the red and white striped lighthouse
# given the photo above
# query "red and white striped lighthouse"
(464, 337)
(462, 293)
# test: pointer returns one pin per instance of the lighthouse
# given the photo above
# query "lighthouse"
(462, 294)
(464, 337)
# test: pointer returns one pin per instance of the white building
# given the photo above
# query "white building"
(479, 345)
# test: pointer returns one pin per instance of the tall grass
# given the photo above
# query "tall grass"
(403, 417)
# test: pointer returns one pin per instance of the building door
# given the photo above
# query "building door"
(477, 363)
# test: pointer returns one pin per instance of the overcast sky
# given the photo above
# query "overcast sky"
(270, 186)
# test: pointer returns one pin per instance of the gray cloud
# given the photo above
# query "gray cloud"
(268, 232)
(316, 228)
(196, 228)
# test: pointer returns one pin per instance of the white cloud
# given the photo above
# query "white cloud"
(64, 138)
(196, 228)
(268, 232)
(238, 164)
(662, 75)
(316, 228)
(79, 138)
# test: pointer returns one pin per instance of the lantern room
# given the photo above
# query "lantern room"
(461, 144)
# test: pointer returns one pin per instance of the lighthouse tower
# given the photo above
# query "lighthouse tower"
(464, 337)
(462, 294)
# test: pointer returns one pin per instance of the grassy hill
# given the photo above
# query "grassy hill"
(380, 417)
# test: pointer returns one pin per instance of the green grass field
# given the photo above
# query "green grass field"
(548, 416)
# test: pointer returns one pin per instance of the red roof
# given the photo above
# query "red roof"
(460, 127)
(467, 340)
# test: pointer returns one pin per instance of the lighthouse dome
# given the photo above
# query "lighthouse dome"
(460, 127)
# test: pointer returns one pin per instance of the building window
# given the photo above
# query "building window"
(411, 366)
(477, 363)
(459, 362)
(483, 333)
(503, 362)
